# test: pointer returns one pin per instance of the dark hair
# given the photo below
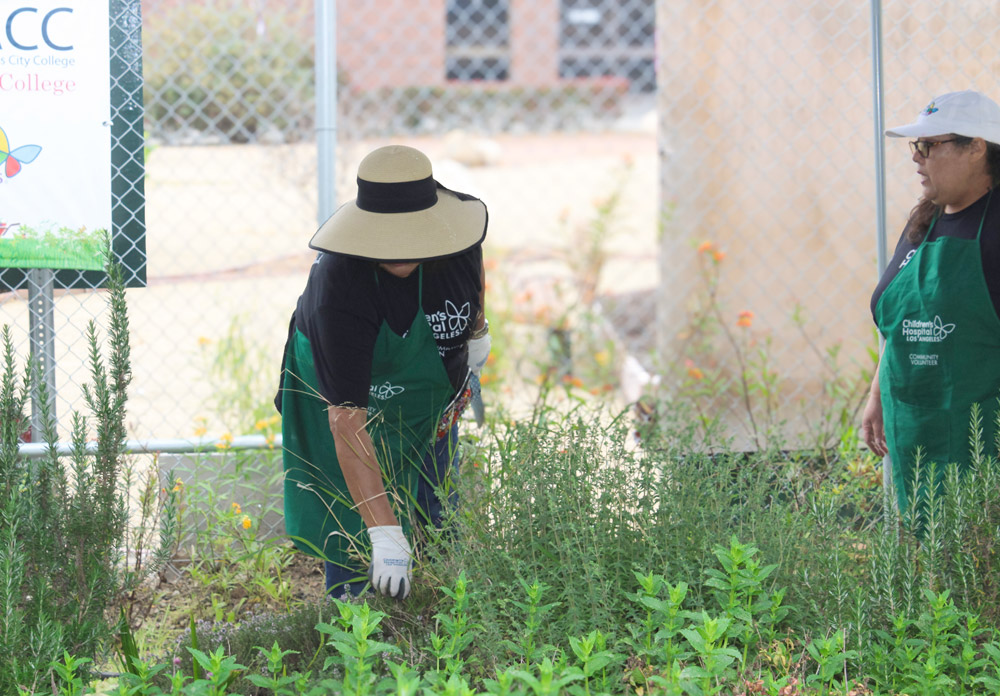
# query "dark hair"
(925, 210)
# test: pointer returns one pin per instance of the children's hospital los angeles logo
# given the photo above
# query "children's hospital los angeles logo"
(385, 391)
(917, 331)
(451, 322)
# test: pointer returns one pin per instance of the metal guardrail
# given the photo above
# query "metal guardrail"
(36, 450)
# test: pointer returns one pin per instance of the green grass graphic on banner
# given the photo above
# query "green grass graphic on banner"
(63, 248)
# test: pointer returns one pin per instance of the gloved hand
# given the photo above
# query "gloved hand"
(392, 561)
(479, 351)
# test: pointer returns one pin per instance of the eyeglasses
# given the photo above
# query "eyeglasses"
(924, 146)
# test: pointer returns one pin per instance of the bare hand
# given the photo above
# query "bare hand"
(873, 427)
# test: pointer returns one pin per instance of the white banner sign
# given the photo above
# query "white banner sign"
(55, 111)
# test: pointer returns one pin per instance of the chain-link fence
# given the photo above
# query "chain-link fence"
(606, 241)
(768, 151)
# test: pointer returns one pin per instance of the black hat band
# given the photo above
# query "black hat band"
(397, 197)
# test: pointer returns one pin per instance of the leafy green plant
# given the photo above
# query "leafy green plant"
(657, 638)
(943, 651)
(534, 612)
(449, 646)
(831, 661)
(358, 652)
(710, 649)
(595, 660)
(278, 681)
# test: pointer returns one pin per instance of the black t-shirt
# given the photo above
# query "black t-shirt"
(964, 224)
(346, 300)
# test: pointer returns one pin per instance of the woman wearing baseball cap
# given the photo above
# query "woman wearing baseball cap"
(938, 303)
(376, 368)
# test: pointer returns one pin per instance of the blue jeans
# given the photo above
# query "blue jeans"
(340, 579)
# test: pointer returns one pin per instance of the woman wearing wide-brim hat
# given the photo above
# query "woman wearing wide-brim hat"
(938, 303)
(376, 367)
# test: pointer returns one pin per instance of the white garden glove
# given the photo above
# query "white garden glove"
(479, 351)
(392, 561)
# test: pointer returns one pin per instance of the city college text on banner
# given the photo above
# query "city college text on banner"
(57, 120)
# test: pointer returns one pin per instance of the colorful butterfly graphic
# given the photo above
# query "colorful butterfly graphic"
(14, 159)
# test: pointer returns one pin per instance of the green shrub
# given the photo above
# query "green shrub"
(228, 72)
(64, 542)
(675, 645)
(569, 505)
(493, 107)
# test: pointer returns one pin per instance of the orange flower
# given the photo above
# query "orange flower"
(247, 522)
(572, 381)
(706, 247)
(718, 255)
(745, 318)
(693, 371)
(236, 508)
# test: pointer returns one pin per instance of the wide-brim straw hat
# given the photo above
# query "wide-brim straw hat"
(401, 214)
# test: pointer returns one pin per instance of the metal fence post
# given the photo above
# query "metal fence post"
(326, 107)
(43, 338)
(879, 118)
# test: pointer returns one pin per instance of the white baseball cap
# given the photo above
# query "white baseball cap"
(967, 113)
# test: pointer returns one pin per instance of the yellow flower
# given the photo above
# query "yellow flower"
(204, 341)
(225, 442)
(178, 486)
(236, 508)
(706, 247)
(602, 357)
(247, 523)
(198, 432)
(261, 424)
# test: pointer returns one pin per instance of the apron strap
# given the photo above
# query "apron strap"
(983, 220)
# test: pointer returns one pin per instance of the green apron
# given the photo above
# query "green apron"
(409, 391)
(942, 354)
